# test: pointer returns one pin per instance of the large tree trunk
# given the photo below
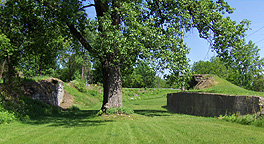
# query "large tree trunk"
(111, 70)
(112, 86)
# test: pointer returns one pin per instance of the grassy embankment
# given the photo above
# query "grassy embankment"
(151, 123)
(224, 87)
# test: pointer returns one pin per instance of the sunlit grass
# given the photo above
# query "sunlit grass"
(36, 78)
(84, 100)
(225, 87)
(132, 94)
(151, 123)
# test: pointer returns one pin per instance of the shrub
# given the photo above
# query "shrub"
(259, 122)
(5, 116)
(79, 85)
(111, 111)
(125, 110)
(245, 119)
(120, 110)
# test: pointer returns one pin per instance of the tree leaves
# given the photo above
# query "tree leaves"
(126, 31)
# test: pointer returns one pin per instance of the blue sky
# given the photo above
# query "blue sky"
(252, 10)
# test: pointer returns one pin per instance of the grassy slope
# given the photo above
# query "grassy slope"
(225, 87)
(151, 123)
(89, 99)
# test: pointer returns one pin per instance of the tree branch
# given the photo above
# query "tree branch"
(77, 35)
(90, 5)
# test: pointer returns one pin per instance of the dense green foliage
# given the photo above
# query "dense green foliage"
(6, 116)
(141, 77)
(215, 67)
(258, 83)
(79, 85)
(34, 40)
(248, 64)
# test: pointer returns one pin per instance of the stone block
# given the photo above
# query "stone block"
(205, 104)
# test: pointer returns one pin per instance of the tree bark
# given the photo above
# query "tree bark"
(82, 75)
(2, 69)
(11, 70)
(112, 86)
(36, 65)
(59, 63)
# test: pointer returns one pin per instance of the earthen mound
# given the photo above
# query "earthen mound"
(202, 81)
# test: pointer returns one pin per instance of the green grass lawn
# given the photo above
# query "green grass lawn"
(151, 123)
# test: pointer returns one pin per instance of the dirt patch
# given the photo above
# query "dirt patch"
(206, 82)
(68, 101)
(201, 81)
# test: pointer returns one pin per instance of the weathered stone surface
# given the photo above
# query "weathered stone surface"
(204, 104)
(261, 105)
(50, 91)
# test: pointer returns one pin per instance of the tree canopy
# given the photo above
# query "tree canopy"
(123, 32)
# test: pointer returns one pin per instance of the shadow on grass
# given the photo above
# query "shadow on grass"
(152, 113)
(78, 118)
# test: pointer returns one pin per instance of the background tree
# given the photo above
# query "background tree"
(215, 66)
(248, 64)
(4, 45)
(34, 40)
(143, 76)
(97, 74)
(258, 83)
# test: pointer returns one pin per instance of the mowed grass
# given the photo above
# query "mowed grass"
(151, 123)
(133, 94)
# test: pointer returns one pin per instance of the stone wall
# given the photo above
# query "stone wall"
(50, 91)
(205, 104)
